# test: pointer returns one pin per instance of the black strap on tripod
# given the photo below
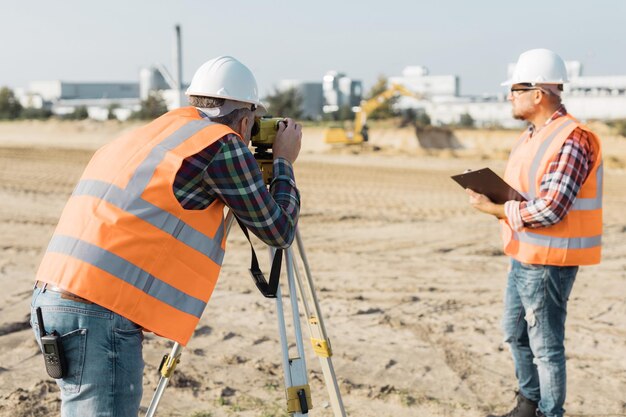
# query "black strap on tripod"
(268, 289)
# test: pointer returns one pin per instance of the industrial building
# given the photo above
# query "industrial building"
(336, 91)
(63, 97)
(312, 96)
(586, 97)
(417, 79)
(340, 91)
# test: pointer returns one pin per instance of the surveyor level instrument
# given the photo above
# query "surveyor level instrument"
(297, 390)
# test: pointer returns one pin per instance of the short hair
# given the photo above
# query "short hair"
(231, 120)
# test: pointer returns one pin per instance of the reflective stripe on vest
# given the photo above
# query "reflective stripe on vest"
(130, 200)
(579, 203)
(592, 203)
(128, 272)
(157, 217)
(557, 242)
(534, 167)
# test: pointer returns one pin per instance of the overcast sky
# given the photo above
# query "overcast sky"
(78, 40)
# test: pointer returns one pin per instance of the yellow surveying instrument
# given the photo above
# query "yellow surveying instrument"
(297, 391)
(264, 132)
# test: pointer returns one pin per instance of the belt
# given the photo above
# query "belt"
(64, 294)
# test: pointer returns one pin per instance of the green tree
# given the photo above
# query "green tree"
(423, 119)
(33, 113)
(151, 108)
(285, 103)
(111, 111)
(10, 108)
(79, 113)
(466, 120)
(345, 113)
(385, 110)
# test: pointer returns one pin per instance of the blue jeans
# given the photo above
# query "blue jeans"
(103, 351)
(535, 308)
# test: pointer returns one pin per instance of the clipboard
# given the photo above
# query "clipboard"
(487, 182)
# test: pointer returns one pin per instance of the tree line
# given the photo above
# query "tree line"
(11, 109)
(283, 103)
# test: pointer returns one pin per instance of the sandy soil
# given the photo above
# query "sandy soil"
(410, 282)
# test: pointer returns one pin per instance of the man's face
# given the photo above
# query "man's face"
(523, 101)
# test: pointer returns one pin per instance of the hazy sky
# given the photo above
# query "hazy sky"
(79, 40)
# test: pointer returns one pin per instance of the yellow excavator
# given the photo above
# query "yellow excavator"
(358, 134)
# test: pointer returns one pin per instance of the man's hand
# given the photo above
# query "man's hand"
(482, 203)
(288, 140)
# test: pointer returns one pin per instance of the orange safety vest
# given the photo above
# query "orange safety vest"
(124, 241)
(576, 239)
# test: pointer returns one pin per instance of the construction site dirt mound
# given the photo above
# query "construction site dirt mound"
(432, 137)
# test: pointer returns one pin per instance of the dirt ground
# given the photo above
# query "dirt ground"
(410, 281)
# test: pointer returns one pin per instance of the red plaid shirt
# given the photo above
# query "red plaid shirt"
(559, 186)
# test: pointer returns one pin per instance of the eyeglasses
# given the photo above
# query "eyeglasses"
(521, 91)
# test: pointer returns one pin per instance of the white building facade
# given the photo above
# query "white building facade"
(585, 97)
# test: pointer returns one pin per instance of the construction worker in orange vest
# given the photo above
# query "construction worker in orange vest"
(557, 166)
(141, 240)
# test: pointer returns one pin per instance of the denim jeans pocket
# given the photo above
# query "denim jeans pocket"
(128, 338)
(73, 344)
(531, 286)
(531, 267)
(567, 276)
(129, 333)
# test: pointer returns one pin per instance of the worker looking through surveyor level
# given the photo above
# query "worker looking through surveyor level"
(141, 240)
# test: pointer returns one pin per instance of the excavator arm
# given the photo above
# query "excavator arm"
(341, 136)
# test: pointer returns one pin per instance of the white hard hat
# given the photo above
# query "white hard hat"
(539, 66)
(225, 77)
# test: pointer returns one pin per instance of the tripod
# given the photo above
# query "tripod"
(298, 392)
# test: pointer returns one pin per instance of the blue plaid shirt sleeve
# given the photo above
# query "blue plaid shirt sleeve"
(234, 177)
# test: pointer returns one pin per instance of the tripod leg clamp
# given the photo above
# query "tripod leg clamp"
(168, 364)
(321, 347)
(299, 399)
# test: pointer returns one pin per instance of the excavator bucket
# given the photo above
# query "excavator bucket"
(335, 135)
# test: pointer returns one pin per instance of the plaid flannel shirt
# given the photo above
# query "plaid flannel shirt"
(559, 186)
(226, 170)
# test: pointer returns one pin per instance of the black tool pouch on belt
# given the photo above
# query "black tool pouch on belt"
(268, 289)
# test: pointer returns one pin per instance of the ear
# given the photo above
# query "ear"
(243, 126)
(538, 96)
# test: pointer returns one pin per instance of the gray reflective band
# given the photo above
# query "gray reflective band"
(144, 172)
(557, 242)
(534, 167)
(129, 199)
(127, 272)
(148, 212)
(592, 203)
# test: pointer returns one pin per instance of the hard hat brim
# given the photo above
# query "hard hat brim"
(260, 108)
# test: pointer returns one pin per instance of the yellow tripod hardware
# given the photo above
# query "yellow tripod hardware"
(168, 364)
(297, 390)
(299, 399)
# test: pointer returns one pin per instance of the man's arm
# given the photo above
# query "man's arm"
(482, 203)
(234, 177)
(559, 186)
(558, 190)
